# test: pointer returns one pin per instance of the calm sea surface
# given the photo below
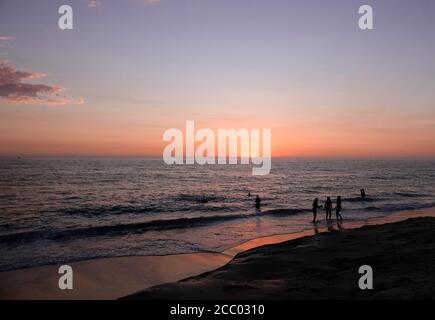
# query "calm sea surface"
(55, 210)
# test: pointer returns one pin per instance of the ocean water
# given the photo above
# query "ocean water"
(56, 210)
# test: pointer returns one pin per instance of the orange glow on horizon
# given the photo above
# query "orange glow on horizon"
(296, 141)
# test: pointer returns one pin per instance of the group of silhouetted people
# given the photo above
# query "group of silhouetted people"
(328, 208)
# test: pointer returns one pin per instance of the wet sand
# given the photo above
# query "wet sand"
(107, 278)
(111, 278)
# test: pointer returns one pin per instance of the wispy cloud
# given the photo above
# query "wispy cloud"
(150, 2)
(93, 3)
(96, 3)
(14, 90)
(5, 38)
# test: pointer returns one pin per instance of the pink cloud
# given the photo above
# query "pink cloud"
(152, 1)
(93, 3)
(5, 38)
(96, 3)
(14, 90)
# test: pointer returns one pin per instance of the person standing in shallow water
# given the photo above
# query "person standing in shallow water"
(328, 208)
(338, 209)
(363, 193)
(315, 207)
(258, 201)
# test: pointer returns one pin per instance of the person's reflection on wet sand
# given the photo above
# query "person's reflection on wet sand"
(328, 208)
(330, 226)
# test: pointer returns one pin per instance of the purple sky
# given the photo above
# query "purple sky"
(131, 69)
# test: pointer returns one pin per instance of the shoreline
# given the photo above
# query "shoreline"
(112, 278)
(397, 257)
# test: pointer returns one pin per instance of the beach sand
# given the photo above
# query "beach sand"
(324, 266)
(317, 263)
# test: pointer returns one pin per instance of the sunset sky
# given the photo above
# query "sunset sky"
(132, 69)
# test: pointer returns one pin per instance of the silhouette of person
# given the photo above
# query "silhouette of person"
(258, 201)
(204, 199)
(363, 193)
(315, 207)
(249, 194)
(328, 208)
(338, 209)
